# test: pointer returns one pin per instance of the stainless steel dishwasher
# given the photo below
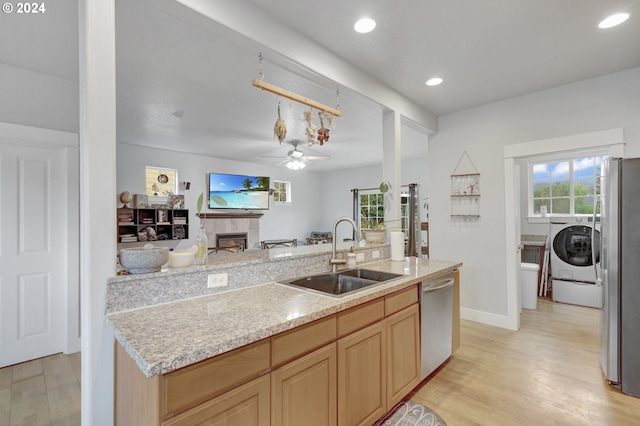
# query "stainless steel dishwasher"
(436, 322)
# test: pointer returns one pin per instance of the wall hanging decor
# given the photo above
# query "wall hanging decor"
(465, 189)
(325, 113)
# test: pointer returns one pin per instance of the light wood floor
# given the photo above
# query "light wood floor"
(41, 392)
(546, 373)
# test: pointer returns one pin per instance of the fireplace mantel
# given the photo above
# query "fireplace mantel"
(230, 215)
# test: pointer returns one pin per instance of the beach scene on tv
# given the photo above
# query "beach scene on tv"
(238, 192)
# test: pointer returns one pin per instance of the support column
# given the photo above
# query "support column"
(392, 156)
(97, 203)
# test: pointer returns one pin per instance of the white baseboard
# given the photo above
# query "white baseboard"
(72, 346)
(485, 318)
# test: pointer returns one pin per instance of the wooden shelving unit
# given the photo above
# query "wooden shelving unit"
(465, 191)
(141, 225)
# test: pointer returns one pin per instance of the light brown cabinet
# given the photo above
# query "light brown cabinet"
(249, 404)
(361, 376)
(348, 368)
(193, 394)
(403, 353)
(379, 364)
(303, 391)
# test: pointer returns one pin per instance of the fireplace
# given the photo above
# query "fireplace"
(244, 226)
(231, 240)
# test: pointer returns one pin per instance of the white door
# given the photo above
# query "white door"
(33, 246)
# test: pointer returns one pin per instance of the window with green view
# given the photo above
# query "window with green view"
(371, 210)
(566, 186)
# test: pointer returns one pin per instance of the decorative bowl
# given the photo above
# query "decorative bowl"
(182, 258)
(141, 260)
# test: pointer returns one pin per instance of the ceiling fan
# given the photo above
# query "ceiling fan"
(296, 159)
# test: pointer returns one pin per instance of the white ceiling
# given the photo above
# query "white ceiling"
(485, 51)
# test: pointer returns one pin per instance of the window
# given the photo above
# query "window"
(404, 212)
(161, 181)
(371, 209)
(282, 192)
(566, 186)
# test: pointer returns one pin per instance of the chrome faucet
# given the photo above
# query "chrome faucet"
(335, 262)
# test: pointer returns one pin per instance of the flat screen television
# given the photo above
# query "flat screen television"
(238, 192)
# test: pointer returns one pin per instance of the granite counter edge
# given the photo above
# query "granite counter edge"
(243, 339)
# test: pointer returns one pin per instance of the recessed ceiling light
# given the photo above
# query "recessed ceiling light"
(364, 25)
(434, 81)
(613, 20)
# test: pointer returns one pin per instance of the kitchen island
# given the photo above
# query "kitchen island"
(248, 325)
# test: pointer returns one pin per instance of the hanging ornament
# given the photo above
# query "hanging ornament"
(329, 117)
(280, 129)
(323, 132)
(310, 131)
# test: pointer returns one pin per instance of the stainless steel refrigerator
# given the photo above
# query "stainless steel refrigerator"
(620, 273)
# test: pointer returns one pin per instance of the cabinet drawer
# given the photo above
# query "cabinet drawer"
(247, 405)
(191, 385)
(360, 316)
(399, 300)
(301, 340)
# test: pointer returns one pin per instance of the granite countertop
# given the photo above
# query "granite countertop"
(165, 337)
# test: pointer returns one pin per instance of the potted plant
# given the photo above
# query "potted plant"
(377, 231)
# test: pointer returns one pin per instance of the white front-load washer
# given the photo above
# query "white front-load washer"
(573, 277)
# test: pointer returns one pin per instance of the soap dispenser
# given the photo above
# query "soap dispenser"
(351, 258)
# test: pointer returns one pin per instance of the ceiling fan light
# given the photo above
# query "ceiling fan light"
(295, 164)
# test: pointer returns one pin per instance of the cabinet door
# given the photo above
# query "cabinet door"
(403, 353)
(247, 405)
(304, 391)
(362, 376)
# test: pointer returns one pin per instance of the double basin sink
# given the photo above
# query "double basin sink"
(338, 284)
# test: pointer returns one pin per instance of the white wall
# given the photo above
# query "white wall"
(318, 198)
(533, 228)
(607, 102)
(280, 221)
(417, 171)
(338, 198)
(38, 100)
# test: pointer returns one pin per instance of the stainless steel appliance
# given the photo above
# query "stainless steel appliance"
(620, 273)
(436, 322)
(574, 246)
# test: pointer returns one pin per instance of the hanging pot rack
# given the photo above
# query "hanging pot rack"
(295, 97)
